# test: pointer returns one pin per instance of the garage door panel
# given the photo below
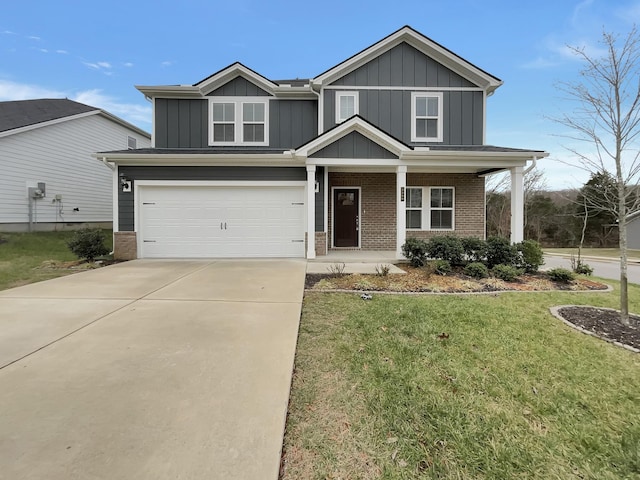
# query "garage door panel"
(187, 221)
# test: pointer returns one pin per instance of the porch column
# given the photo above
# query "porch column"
(401, 216)
(311, 211)
(517, 204)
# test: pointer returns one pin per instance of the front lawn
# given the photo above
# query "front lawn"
(36, 256)
(464, 387)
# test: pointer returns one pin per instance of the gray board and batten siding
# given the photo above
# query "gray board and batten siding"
(229, 173)
(184, 123)
(390, 110)
(354, 145)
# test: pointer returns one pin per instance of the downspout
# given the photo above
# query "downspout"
(534, 162)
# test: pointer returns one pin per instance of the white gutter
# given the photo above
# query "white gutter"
(110, 165)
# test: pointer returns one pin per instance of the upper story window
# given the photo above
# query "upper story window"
(239, 121)
(434, 212)
(346, 105)
(426, 117)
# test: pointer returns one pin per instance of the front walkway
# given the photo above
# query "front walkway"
(355, 261)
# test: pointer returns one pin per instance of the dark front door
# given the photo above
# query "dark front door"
(345, 217)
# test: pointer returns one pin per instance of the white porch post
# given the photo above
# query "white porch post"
(517, 204)
(311, 211)
(401, 216)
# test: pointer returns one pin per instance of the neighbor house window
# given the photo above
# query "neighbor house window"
(430, 208)
(346, 105)
(132, 143)
(426, 117)
(239, 121)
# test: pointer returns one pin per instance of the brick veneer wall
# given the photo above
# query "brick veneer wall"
(125, 246)
(321, 243)
(378, 205)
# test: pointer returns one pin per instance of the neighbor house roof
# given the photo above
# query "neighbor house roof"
(23, 113)
(20, 115)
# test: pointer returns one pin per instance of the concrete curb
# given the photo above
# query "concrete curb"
(555, 311)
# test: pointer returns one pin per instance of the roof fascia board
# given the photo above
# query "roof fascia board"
(170, 91)
(125, 124)
(417, 155)
(421, 43)
(27, 128)
(356, 124)
(231, 72)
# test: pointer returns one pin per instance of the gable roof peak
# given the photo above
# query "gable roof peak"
(422, 43)
(230, 72)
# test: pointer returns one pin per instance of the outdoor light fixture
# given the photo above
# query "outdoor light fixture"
(125, 183)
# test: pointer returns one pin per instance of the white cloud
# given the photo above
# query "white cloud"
(128, 64)
(138, 114)
(9, 32)
(104, 64)
(166, 63)
(134, 113)
(98, 65)
(62, 52)
(33, 37)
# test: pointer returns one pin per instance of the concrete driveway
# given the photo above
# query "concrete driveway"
(149, 370)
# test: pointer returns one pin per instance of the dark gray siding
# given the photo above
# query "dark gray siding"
(390, 110)
(320, 200)
(181, 123)
(126, 200)
(404, 66)
(292, 123)
(353, 145)
(239, 87)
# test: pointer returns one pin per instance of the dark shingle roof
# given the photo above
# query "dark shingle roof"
(22, 113)
(200, 151)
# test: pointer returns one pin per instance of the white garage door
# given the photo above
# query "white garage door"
(198, 222)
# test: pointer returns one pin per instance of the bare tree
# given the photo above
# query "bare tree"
(607, 117)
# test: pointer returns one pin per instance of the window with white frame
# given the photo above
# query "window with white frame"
(426, 117)
(346, 105)
(239, 121)
(432, 212)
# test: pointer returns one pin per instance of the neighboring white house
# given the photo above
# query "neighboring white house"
(633, 230)
(49, 179)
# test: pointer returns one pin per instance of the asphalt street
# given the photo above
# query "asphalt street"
(601, 268)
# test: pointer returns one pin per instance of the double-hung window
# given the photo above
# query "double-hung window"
(430, 208)
(346, 105)
(239, 121)
(426, 117)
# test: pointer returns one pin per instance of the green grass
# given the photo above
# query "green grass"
(511, 393)
(22, 256)
(595, 252)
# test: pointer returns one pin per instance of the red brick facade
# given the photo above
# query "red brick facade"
(378, 205)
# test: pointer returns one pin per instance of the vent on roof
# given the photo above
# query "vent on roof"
(132, 143)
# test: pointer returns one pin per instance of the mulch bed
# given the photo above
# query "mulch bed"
(604, 323)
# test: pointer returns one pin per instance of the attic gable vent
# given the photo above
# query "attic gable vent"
(132, 143)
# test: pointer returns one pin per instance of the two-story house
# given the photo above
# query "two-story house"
(386, 145)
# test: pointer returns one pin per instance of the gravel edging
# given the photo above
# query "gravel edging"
(494, 293)
(555, 311)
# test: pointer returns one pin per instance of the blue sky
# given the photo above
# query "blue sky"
(96, 54)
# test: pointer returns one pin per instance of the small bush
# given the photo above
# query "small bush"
(382, 270)
(88, 243)
(561, 275)
(337, 269)
(508, 273)
(530, 256)
(446, 247)
(441, 267)
(415, 250)
(583, 269)
(475, 249)
(476, 270)
(500, 252)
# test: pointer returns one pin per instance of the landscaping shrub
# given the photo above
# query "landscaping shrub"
(508, 273)
(530, 256)
(583, 269)
(476, 270)
(475, 249)
(383, 270)
(500, 252)
(415, 250)
(446, 247)
(441, 267)
(88, 243)
(561, 275)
